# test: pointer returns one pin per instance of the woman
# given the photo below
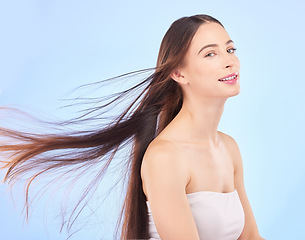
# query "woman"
(192, 174)
(186, 178)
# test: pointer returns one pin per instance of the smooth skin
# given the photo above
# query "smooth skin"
(190, 155)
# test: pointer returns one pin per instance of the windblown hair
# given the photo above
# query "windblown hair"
(150, 112)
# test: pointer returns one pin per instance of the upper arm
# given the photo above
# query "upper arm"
(250, 230)
(165, 179)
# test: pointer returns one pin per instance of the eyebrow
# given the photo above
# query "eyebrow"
(214, 45)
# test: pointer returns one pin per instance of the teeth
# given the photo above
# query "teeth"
(229, 78)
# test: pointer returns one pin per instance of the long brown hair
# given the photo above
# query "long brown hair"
(150, 112)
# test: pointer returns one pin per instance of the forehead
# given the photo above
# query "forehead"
(209, 33)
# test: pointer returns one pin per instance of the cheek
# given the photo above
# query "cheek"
(204, 71)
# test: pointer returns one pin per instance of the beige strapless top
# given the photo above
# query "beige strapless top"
(218, 216)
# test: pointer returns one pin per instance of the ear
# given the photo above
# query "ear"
(178, 76)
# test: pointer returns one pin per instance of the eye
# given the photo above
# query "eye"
(209, 54)
(233, 50)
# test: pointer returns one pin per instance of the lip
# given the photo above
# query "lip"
(232, 81)
(230, 75)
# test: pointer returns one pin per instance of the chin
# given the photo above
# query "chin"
(236, 92)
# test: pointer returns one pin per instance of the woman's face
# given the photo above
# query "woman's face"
(204, 66)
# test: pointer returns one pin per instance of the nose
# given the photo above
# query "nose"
(230, 61)
(228, 66)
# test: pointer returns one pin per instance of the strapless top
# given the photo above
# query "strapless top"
(218, 216)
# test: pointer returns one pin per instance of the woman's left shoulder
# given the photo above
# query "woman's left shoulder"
(227, 139)
(231, 145)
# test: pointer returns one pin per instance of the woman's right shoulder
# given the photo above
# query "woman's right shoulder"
(161, 163)
(164, 178)
(160, 148)
(160, 154)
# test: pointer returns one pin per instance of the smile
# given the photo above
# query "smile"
(229, 77)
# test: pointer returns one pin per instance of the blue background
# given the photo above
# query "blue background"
(50, 47)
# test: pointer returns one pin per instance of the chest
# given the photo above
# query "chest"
(210, 170)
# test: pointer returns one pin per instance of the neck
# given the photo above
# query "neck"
(198, 121)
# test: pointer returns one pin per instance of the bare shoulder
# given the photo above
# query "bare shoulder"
(164, 177)
(159, 148)
(227, 138)
(161, 164)
(232, 146)
(230, 142)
